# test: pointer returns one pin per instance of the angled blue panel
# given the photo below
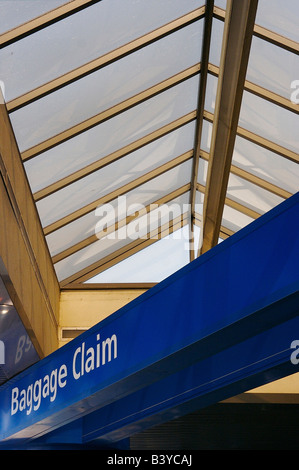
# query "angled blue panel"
(242, 288)
(249, 364)
(256, 361)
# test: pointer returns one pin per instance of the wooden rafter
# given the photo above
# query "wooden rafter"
(200, 112)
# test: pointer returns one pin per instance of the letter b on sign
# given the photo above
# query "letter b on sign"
(2, 353)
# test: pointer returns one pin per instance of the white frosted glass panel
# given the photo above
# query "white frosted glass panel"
(146, 224)
(85, 226)
(16, 12)
(259, 161)
(216, 42)
(112, 135)
(251, 195)
(280, 16)
(72, 233)
(89, 255)
(81, 38)
(267, 165)
(234, 220)
(199, 200)
(107, 87)
(207, 128)
(145, 194)
(152, 264)
(211, 91)
(92, 187)
(143, 228)
(270, 121)
(272, 67)
(220, 4)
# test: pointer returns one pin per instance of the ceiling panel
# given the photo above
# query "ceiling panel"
(108, 86)
(234, 219)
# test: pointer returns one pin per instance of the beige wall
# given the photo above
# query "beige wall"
(81, 309)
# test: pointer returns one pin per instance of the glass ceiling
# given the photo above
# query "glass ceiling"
(113, 105)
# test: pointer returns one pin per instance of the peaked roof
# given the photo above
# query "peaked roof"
(136, 119)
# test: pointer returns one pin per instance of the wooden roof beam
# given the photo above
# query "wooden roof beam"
(200, 113)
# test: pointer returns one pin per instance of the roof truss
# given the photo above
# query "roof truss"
(239, 28)
(236, 43)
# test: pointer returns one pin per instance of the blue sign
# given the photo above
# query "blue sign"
(242, 288)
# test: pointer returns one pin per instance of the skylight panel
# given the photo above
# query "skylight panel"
(82, 37)
(279, 16)
(108, 86)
